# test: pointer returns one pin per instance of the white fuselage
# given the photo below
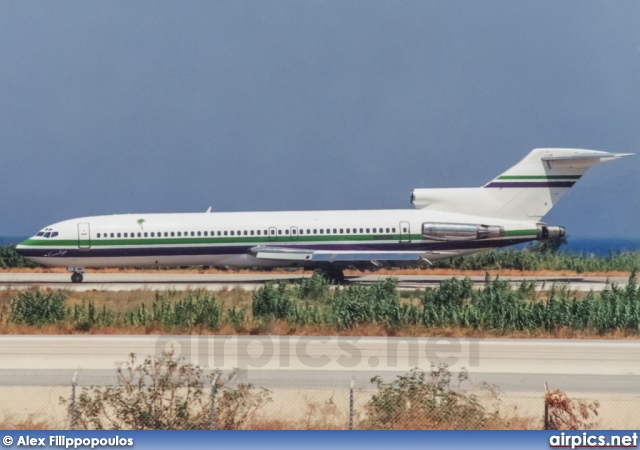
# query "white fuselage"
(226, 239)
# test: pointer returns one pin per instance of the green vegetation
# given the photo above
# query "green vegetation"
(497, 308)
(9, 258)
(38, 308)
(427, 400)
(543, 256)
(163, 393)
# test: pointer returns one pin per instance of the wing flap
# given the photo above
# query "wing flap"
(287, 254)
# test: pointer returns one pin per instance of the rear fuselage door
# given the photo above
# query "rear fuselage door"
(84, 236)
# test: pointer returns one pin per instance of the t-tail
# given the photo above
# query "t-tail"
(527, 191)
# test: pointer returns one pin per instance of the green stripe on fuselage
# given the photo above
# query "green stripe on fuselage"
(229, 240)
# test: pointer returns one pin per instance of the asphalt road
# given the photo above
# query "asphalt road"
(514, 365)
(179, 281)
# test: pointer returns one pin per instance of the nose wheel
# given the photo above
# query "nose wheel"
(76, 277)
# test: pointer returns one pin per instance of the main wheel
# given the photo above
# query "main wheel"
(76, 277)
(334, 276)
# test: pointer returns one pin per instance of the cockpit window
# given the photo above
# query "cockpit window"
(54, 234)
(47, 234)
(40, 233)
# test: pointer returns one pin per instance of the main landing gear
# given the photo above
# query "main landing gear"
(76, 276)
(332, 274)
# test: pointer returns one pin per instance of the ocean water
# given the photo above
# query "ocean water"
(595, 246)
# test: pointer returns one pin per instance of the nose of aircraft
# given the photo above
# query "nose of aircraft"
(20, 248)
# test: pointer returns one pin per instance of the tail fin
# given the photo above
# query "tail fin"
(527, 191)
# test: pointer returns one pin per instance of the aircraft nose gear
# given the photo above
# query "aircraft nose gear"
(76, 277)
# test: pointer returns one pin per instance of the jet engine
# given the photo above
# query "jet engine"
(442, 231)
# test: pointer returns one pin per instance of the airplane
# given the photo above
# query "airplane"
(444, 223)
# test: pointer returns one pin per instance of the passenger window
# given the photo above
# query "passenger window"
(251, 232)
(173, 234)
(361, 230)
(179, 233)
(98, 234)
(315, 231)
(199, 233)
(219, 233)
(387, 230)
(146, 235)
(258, 232)
(152, 234)
(286, 231)
(279, 231)
(225, 233)
(245, 232)
(393, 230)
(112, 234)
(367, 230)
(192, 233)
(206, 233)
(321, 231)
(335, 231)
(233, 233)
(348, 230)
(341, 231)
(404, 230)
(126, 235)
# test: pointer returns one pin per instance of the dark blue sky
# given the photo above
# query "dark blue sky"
(151, 106)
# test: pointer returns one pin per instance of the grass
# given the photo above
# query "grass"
(311, 307)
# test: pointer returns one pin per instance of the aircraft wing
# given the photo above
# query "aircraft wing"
(302, 254)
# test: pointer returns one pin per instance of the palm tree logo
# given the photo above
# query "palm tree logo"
(140, 222)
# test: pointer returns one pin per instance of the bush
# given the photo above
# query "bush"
(564, 413)
(426, 400)
(9, 258)
(198, 309)
(37, 308)
(377, 303)
(162, 393)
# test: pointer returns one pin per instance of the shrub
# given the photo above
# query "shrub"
(162, 393)
(564, 413)
(425, 400)
(37, 308)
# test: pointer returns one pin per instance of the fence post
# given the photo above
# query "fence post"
(212, 411)
(546, 407)
(351, 402)
(72, 405)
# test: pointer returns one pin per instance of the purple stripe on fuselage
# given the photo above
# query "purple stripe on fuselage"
(100, 252)
(530, 184)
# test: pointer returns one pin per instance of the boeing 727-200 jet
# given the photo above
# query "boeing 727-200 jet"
(444, 223)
